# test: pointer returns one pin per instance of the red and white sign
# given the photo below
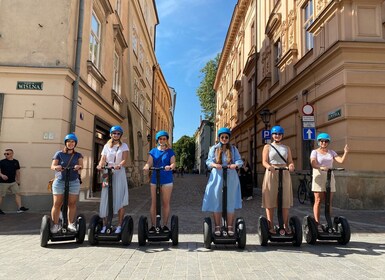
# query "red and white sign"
(307, 109)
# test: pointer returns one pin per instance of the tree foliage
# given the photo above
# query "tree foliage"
(206, 92)
(184, 150)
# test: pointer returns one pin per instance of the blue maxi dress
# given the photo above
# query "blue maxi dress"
(212, 200)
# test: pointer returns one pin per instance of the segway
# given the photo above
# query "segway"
(224, 238)
(338, 229)
(63, 234)
(159, 234)
(94, 230)
(280, 234)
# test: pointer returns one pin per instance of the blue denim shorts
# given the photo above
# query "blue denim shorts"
(58, 187)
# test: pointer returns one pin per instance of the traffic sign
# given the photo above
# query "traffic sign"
(308, 133)
(266, 134)
(308, 118)
(308, 124)
(307, 109)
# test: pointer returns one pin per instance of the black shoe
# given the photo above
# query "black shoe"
(1, 212)
(151, 230)
(165, 229)
(22, 209)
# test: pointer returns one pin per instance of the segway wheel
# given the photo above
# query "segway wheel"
(44, 230)
(142, 231)
(207, 231)
(296, 228)
(301, 194)
(127, 230)
(174, 230)
(309, 229)
(240, 226)
(344, 229)
(81, 227)
(95, 224)
(263, 231)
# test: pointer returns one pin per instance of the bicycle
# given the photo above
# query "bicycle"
(304, 189)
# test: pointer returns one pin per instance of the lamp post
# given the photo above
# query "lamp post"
(265, 116)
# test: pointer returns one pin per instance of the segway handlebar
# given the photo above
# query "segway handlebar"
(337, 169)
(281, 168)
(108, 167)
(157, 168)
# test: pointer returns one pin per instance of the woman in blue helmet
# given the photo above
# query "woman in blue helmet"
(223, 154)
(67, 157)
(277, 155)
(161, 156)
(115, 154)
(321, 160)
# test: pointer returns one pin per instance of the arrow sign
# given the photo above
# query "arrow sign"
(308, 133)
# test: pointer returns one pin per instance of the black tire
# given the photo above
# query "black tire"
(127, 230)
(344, 229)
(174, 230)
(45, 230)
(296, 228)
(81, 227)
(207, 232)
(263, 231)
(240, 226)
(301, 192)
(309, 230)
(142, 232)
(95, 223)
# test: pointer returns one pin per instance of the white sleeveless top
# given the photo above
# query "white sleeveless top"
(274, 157)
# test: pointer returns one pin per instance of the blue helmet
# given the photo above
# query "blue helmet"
(71, 136)
(324, 136)
(277, 129)
(224, 130)
(160, 134)
(116, 128)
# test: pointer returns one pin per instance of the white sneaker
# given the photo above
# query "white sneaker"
(249, 198)
(55, 228)
(71, 227)
(118, 229)
(103, 229)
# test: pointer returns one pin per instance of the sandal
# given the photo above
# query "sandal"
(230, 230)
(272, 231)
(217, 231)
(288, 231)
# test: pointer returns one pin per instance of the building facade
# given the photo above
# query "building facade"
(328, 54)
(204, 139)
(75, 66)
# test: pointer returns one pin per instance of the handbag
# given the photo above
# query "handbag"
(50, 182)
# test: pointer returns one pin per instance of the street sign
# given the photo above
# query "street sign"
(266, 134)
(308, 124)
(308, 118)
(308, 133)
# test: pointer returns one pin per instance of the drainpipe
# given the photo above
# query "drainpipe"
(255, 100)
(152, 121)
(77, 67)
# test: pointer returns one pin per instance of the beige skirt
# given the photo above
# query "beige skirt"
(318, 183)
(270, 190)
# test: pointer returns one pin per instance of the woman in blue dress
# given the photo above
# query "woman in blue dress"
(161, 156)
(223, 154)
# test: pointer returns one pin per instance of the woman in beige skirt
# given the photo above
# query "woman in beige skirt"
(271, 159)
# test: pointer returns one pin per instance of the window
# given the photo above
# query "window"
(308, 20)
(116, 74)
(252, 36)
(134, 39)
(94, 51)
(277, 57)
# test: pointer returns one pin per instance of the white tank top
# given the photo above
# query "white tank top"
(274, 157)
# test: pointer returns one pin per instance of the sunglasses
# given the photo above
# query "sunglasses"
(115, 133)
(224, 137)
(7, 154)
(278, 134)
(324, 141)
(162, 138)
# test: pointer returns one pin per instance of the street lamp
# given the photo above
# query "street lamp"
(265, 116)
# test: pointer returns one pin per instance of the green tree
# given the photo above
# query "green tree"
(206, 92)
(184, 150)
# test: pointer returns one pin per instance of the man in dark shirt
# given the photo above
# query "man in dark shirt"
(10, 179)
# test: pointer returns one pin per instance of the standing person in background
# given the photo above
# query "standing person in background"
(114, 154)
(161, 156)
(223, 154)
(10, 179)
(67, 157)
(245, 177)
(321, 160)
(277, 155)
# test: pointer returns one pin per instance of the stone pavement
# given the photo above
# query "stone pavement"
(21, 256)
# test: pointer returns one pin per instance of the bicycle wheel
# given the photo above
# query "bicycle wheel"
(301, 192)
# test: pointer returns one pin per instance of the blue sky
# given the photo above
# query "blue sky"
(189, 34)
